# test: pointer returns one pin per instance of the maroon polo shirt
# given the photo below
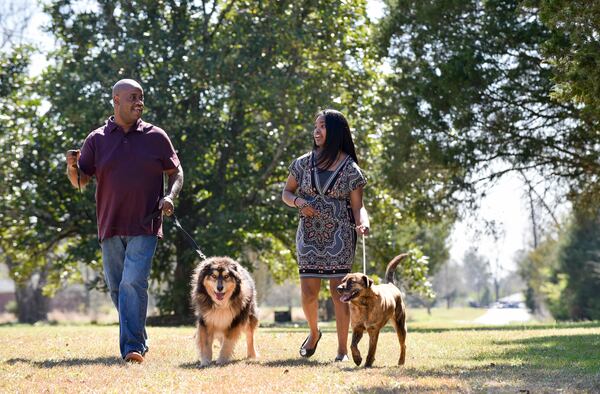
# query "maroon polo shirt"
(128, 169)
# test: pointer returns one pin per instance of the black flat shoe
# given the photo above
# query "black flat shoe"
(306, 353)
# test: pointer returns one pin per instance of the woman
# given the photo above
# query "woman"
(326, 186)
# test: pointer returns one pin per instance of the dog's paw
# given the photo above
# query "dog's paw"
(204, 363)
(356, 357)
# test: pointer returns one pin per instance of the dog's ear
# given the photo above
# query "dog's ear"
(367, 281)
(198, 282)
(206, 271)
(235, 274)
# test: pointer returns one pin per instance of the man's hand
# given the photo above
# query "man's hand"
(167, 206)
(73, 157)
(77, 178)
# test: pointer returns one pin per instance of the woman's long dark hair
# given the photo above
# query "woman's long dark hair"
(338, 138)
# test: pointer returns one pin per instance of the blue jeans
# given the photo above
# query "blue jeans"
(127, 261)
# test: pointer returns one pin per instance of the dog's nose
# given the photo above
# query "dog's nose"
(340, 288)
(219, 288)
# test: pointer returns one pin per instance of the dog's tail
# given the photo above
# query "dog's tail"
(391, 268)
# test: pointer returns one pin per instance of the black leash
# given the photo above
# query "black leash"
(191, 241)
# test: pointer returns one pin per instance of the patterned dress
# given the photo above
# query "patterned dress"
(325, 243)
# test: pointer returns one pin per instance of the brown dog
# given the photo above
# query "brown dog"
(371, 307)
(224, 297)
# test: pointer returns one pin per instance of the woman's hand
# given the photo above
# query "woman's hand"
(362, 229)
(307, 210)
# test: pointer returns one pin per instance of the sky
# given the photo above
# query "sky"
(505, 203)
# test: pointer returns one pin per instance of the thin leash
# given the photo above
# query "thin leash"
(364, 253)
(188, 237)
(191, 241)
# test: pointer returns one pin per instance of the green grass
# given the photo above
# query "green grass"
(456, 358)
(442, 317)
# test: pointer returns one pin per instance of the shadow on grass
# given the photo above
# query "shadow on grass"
(294, 362)
(71, 362)
(571, 353)
(548, 363)
(510, 327)
(271, 363)
(196, 364)
(282, 329)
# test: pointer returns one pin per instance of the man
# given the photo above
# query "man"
(128, 157)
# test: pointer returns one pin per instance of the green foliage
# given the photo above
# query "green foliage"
(538, 270)
(573, 52)
(31, 174)
(235, 84)
(414, 273)
(554, 291)
(580, 266)
(470, 87)
(478, 275)
(564, 273)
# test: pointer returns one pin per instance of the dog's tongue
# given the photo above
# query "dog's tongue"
(345, 297)
(220, 296)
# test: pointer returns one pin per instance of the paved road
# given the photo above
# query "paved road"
(500, 316)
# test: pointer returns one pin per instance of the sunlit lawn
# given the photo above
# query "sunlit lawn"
(442, 356)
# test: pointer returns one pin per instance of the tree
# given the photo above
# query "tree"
(472, 91)
(448, 283)
(580, 266)
(563, 273)
(235, 84)
(25, 260)
(572, 52)
(477, 275)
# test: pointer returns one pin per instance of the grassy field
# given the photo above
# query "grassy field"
(442, 356)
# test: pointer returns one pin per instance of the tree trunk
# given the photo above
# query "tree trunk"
(32, 305)
(497, 289)
(181, 281)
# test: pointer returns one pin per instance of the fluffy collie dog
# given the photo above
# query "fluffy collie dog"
(224, 299)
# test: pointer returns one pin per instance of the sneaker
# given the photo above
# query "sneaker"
(134, 357)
